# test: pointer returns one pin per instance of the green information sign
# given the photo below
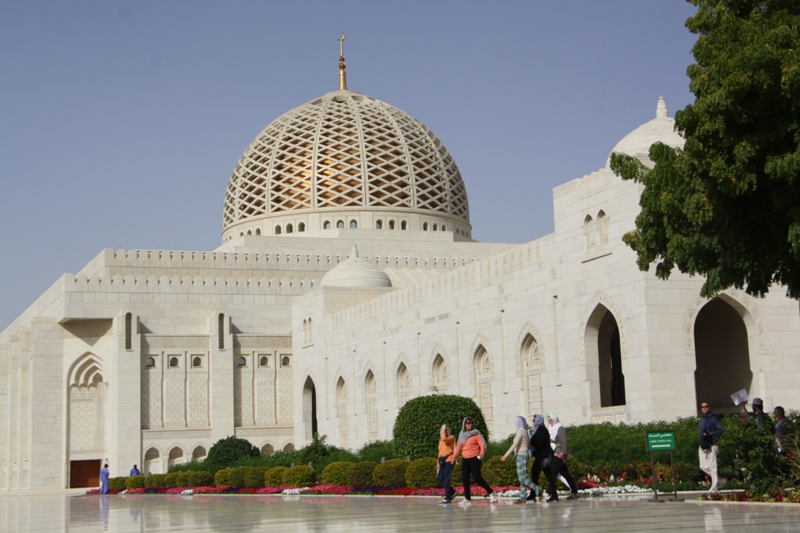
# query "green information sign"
(660, 441)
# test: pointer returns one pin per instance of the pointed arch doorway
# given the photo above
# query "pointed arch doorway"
(722, 355)
(310, 408)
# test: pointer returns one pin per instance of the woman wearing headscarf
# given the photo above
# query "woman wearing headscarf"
(541, 451)
(558, 464)
(520, 449)
(472, 448)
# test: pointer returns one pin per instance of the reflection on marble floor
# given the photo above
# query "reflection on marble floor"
(221, 513)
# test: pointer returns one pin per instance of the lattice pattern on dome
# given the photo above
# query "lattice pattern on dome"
(344, 151)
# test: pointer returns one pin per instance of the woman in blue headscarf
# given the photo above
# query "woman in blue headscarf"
(520, 449)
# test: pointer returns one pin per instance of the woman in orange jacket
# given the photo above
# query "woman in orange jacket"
(444, 468)
(472, 448)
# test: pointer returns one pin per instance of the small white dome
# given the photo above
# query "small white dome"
(355, 272)
(637, 143)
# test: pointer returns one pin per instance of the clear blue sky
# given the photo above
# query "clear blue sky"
(120, 122)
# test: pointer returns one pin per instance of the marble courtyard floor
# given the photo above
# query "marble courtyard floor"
(63, 511)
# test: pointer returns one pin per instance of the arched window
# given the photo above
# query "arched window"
(425, 226)
(532, 366)
(444, 228)
(403, 385)
(174, 362)
(588, 232)
(197, 362)
(391, 224)
(286, 361)
(175, 456)
(258, 231)
(326, 224)
(379, 224)
(402, 225)
(249, 232)
(371, 390)
(339, 223)
(277, 230)
(289, 447)
(435, 227)
(439, 373)
(341, 410)
(289, 228)
(267, 449)
(264, 361)
(602, 228)
(353, 224)
(301, 227)
(241, 362)
(199, 454)
(483, 379)
(150, 363)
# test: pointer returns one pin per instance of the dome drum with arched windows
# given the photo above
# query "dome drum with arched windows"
(345, 161)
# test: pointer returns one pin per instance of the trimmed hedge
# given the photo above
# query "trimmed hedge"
(117, 483)
(195, 479)
(361, 473)
(155, 481)
(134, 482)
(273, 477)
(416, 428)
(498, 473)
(337, 473)
(222, 478)
(236, 476)
(390, 474)
(421, 473)
(254, 476)
(171, 480)
(300, 476)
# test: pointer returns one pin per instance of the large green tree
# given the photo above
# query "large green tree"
(727, 206)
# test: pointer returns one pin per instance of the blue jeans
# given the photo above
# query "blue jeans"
(443, 476)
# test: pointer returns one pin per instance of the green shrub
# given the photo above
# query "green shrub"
(201, 478)
(273, 477)
(361, 473)
(421, 473)
(254, 476)
(184, 480)
(748, 454)
(155, 481)
(236, 476)
(171, 480)
(416, 428)
(320, 454)
(498, 473)
(337, 473)
(392, 473)
(225, 452)
(222, 478)
(117, 483)
(300, 476)
(377, 450)
(134, 482)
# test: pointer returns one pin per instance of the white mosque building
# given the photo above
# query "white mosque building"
(347, 282)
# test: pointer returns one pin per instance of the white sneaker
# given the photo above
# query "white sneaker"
(493, 497)
(465, 503)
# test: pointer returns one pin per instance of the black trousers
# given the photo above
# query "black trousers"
(536, 469)
(557, 466)
(472, 467)
(445, 471)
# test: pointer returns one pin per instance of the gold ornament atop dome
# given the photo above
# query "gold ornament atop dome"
(342, 73)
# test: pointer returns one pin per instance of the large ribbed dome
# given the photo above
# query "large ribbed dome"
(345, 160)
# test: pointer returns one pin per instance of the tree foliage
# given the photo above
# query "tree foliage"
(727, 205)
(416, 428)
(225, 452)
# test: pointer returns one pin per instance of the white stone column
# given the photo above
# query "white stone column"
(220, 387)
(124, 399)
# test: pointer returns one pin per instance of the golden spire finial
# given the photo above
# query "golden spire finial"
(342, 73)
